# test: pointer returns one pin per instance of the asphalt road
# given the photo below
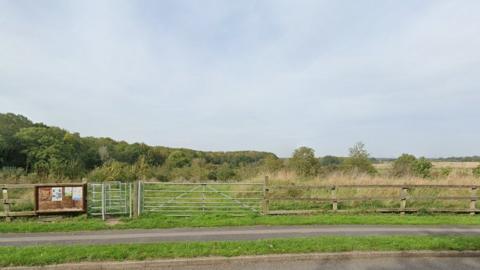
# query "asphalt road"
(427, 263)
(223, 234)
(409, 260)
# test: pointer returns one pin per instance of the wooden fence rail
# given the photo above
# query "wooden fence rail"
(270, 196)
(334, 199)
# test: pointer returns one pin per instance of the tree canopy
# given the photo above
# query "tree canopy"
(54, 152)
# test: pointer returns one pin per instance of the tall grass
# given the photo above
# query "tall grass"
(291, 187)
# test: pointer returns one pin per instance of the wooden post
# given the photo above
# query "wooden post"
(6, 204)
(103, 201)
(139, 198)
(403, 200)
(473, 201)
(135, 199)
(334, 198)
(203, 197)
(266, 201)
(130, 198)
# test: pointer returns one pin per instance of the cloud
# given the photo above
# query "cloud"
(266, 75)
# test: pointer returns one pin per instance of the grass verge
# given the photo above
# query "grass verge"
(44, 255)
(156, 221)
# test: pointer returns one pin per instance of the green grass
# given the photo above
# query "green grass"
(63, 225)
(43, 255)
(157, 221)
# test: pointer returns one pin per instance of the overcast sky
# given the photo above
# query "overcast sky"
(401, 76)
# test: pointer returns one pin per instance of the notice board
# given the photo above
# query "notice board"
(60, 198)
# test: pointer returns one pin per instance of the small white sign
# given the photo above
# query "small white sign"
(56, 194)
(77, 193)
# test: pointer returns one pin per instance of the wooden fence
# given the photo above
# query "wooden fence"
(276, 193)
(8, 201)
(277, 199)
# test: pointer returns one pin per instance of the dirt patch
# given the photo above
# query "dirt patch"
(113, 221)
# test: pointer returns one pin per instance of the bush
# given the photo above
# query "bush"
(422, 167)
(272, 164)
(330, 163)
(225, 172)
(303, 162)
(476, 171)
(444, 172)
(113, 171)
(178, 159)
(407, 165)
(404, 165)
(358, 161)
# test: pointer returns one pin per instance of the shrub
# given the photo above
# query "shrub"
(303, 162)
(422, 167)
(272, 164)
(445, 171)
(330, 163)
(407, 165)
(404, 165)
(358, 161)
(113, 171)
(225, 172)
(476, 171)
(178, 159)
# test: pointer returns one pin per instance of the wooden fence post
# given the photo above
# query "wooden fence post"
(403, 200)
(334, 198)
(136, 199)
(130, 200)
(6, 204)
(103, 201)
(139, 198)
(204, 186)
(473, 200)
(266, 201)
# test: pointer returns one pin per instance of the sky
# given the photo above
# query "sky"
(271, 75)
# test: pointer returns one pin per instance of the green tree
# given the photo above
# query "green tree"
(3, 147)
(178, 159)
(225, 172)
(272, 164)
(10, 149)
(330, 163)
(113, 171)
(52, 151)
(303, 161)
(422, 167)
(358, 161)
(404, 165)
(409, 165)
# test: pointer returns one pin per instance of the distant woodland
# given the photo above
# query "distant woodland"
(36, 152)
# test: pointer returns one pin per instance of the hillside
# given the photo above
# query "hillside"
(52, 152)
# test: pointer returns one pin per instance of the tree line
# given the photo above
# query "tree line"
(45, 152)
(52, 152)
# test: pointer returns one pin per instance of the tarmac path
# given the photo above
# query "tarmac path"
(224, 234)
(405, 260)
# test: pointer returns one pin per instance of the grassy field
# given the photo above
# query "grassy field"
(43, 255)
(158, 221)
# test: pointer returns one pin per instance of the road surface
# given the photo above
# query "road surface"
(413, 260)
(224, 234)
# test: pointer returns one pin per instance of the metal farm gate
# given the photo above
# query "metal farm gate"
(110, 198)
(188, 199)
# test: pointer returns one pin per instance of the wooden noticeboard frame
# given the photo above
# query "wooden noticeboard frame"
(61, 198)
